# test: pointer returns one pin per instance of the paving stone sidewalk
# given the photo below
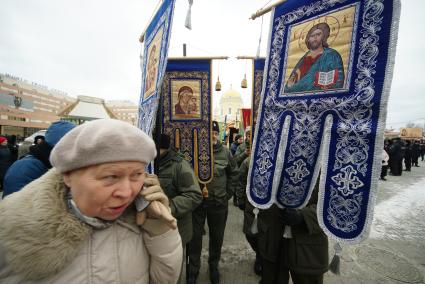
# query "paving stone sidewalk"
(392, 254)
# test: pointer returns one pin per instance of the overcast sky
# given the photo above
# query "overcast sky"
(90, 47)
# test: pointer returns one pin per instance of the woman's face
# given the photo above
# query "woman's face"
(186, 96)
(104, 191)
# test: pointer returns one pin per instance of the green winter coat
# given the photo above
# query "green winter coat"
(308, 249)
(242, 199)
(180, 185)
(225, 180)
(240, 154)
(306, 252)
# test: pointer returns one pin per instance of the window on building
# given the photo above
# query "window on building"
(15, 118)
(230, 110)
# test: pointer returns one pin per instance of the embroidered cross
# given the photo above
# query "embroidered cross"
(298, 171)
(204, 157)
(264, 163)
(347, 181)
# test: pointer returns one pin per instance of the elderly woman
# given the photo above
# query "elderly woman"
(77, 223)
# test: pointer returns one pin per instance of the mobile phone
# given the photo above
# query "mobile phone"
(140, 202)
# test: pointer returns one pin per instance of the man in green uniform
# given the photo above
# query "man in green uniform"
(302, 254)
(214, 209)
(180, 185)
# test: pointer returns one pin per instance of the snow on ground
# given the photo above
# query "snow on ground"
(401, 217)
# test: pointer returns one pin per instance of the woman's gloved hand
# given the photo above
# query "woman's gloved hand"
(156, 218)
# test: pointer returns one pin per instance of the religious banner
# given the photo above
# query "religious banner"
(246, 117)
(411, 132)
(186, 112)
(153, 64)
(323, 110)
(257, 85)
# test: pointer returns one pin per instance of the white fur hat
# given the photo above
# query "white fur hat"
(102, 141)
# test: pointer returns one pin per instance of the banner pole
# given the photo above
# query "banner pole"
(263, 11)
(200, 58)
(142, 36)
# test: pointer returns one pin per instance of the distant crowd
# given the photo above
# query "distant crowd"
(398, 152)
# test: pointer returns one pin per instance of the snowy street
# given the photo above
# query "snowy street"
(401, 207)
(394, 252)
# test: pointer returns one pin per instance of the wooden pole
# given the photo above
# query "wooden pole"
(199, 58)
(142, 36)
(263, 11)
(245, 57)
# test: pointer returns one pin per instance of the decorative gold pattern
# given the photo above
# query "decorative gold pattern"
(193, 135)
(258, 85)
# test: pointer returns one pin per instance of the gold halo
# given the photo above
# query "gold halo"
(334, 26)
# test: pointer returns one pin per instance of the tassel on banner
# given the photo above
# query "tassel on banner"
(205, 191)
(335, 264)
(254, 226)
(188, 22)
(287, 234)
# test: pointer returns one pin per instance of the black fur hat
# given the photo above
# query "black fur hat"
(164, 141)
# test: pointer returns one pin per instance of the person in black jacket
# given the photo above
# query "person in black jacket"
(416, 152)
(396, 157)
(408, 156)
(13, 148)
(5, 157)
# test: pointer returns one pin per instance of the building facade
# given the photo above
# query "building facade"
(27, 107)
(124, 110)
(85, 109)
(230, 106)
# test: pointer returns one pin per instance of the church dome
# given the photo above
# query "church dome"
(232, 94)
(230, 104)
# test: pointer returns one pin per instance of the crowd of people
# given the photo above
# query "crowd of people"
(397, 151)
(80, 207)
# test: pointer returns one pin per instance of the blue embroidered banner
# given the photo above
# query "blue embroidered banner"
(153, 63)
(323, 110)
(186, 112)
(257, 85)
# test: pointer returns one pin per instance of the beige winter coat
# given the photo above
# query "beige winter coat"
(41, 242)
